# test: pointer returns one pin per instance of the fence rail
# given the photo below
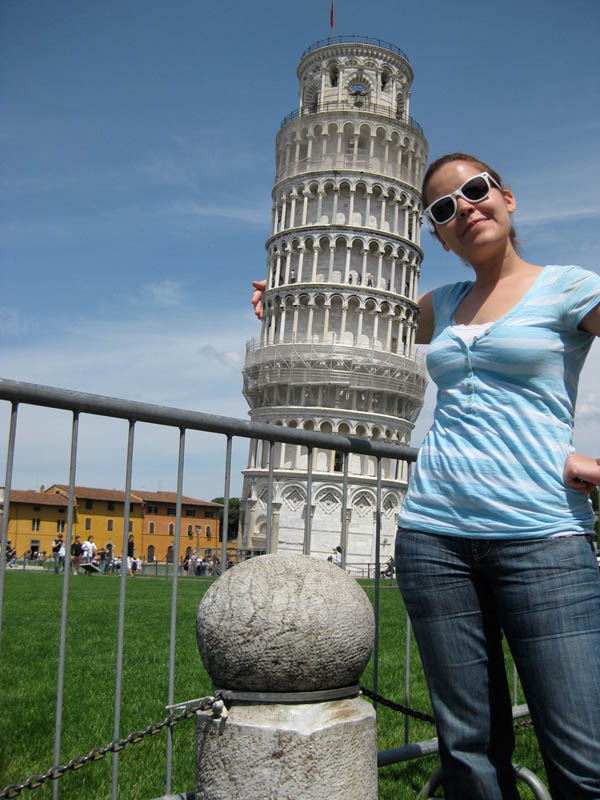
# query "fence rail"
(19, 393)
(353, 105)
(353, 39)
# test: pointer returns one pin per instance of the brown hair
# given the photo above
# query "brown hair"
(447, 159)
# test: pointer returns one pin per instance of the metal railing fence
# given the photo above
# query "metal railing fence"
(19, 393)
(353, 39)
(353, 105)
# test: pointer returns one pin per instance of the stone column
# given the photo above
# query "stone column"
(286, 625)
(276, 509)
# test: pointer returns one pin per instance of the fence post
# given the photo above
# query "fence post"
(287, 638)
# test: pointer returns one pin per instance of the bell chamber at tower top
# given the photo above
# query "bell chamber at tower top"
(354, 114)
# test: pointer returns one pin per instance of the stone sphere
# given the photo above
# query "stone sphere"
(285, 623)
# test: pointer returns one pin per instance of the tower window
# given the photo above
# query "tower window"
(359, 93)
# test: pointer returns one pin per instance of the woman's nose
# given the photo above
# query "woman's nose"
(463, 206)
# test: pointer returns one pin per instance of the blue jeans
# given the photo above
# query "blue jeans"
(544, 594)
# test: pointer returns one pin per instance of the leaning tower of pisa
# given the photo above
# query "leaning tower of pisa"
(336, 348)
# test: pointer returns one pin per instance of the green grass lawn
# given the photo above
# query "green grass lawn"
(28, 665)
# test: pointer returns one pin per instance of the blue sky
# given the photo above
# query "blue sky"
(138, 142)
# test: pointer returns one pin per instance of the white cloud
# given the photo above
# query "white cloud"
(165, 293)
(138, 359)
(561, 214)
(258, 215)
(11, 323)
(233, 359)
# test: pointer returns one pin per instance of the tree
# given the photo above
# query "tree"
(234, 516)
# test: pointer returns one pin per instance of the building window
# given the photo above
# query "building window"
(36, 508)
(130, 526)
(190, 531)
(109, 524)
(338, 463)
(111, 506)
(61, 510)
(60, 526)
(208, 533)
(171, 529)
(190, 512)
(171, 512)
(88, 504)
(88, 523)
(151, 528)
(151, 509)
(35, 524)
(209, 514)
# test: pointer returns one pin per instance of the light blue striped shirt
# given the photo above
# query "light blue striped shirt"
(491, 465)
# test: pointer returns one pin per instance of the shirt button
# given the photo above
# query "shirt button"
(469, 388)
(487, 332)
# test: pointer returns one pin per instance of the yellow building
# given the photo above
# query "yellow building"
(100, 513)
(200, 525)
(36, 518)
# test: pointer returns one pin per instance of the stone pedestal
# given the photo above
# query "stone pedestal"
(282, 624)
(289, 752)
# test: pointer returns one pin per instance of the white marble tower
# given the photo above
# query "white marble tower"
(336, 349)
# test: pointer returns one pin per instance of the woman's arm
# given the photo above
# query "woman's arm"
(581, 473)
(424, 328)
(426, 320)
(591, 321)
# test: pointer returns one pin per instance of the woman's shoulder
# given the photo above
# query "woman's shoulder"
(565, 275)
(445, 298)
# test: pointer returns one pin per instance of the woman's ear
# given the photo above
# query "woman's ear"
(509, 199)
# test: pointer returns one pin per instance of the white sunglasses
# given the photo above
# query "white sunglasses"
(474, 190)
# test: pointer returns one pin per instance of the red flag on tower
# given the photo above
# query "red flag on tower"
(332, 16)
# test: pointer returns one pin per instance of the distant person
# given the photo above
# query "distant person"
(388, 571)
(337, 556)
(11, 554)
(76, 554)
(130, 554)
(58, 545)
(89, 550)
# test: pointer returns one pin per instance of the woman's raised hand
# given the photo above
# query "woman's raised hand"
(259, 288)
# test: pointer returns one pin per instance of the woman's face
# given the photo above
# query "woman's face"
(477, 227)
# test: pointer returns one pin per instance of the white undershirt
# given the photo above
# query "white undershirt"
(468, 332)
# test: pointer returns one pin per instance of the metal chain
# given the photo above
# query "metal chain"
(203, 704)
(98, 753)
(409, 712)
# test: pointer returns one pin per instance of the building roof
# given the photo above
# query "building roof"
(171, 497)
(115, 495)
(92, 493)
(37, 498)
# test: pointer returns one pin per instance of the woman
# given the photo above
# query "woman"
(494, 534)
